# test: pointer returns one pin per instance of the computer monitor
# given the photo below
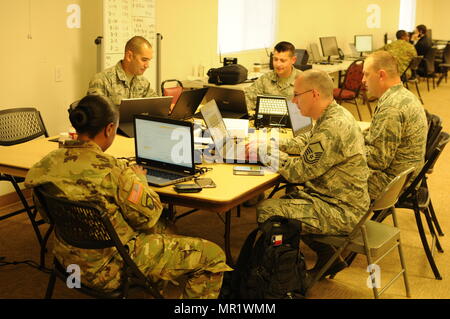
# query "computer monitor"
(329, 46)
(363, 43)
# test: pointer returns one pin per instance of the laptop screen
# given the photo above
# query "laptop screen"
(227, 99)
(164, 142)
(299, 123)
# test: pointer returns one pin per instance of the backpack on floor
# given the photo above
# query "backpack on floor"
(270, 266)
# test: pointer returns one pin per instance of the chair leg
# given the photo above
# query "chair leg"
(428, 84)
(435, 221)
(432, 231)
(51, 285)
(369, 260)
(403, 264)
(357, 108)
(418, 93)
(426, 247)
(44, 246)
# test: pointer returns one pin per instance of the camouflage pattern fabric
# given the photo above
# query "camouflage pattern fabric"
(332, 169)
(114, 83)
(82, 172)
(270, 84)
(396, 138)
(404, 52)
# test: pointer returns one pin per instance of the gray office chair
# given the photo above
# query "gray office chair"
(371, 238)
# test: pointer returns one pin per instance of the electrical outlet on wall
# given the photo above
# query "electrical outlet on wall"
(58, 73)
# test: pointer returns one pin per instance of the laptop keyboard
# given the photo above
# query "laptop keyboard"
(272, 106)
(165, 175)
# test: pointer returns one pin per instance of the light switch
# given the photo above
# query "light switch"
(58, 74)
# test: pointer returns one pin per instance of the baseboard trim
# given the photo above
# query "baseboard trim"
(13, 198)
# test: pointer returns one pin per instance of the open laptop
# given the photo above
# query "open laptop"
(299, 123)
(231, 102)
(271, 111)
(187, 104)
(165, 147)
(154, 106)
(229, 150)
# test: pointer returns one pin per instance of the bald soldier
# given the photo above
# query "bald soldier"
(81, 171)
(331, 167)
(125, 80)
(397, 136)
(278, 82)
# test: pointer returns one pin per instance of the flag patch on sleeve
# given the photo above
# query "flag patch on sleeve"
(136, 193)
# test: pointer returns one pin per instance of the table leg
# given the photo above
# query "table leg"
(227, 234)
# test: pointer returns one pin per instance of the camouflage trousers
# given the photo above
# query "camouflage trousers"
(317, 216)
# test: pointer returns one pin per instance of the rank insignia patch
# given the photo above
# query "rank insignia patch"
(313, 153)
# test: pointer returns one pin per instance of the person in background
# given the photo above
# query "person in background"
(125, 80)
(397, 136)
(423, 44)
(82, 171)
(402, 50)
(330, 166)
(278, 82)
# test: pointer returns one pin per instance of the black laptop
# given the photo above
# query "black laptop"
(165, 147)
(154, 106)
(271, 111)
(187, 104)
(230, 102)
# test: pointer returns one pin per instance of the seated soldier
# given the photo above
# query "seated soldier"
(82, 171)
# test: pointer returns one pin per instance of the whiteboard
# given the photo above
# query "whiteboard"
(122, 20)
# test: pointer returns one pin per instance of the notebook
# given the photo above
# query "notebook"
(154, 106)
(187, 104)
(165, 147)
(299, 123)
(271, 111)
(229, 150)
(231, 102)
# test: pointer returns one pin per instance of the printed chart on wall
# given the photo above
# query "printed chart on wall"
(123, 19)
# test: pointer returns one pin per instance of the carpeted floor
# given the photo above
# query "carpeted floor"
(18, 242)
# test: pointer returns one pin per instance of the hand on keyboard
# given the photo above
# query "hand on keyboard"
(139, 170)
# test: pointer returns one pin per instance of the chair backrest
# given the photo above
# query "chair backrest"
(413, 66)
(387, 198)
(354, 76)
(429, 164)
(85, 225)
(434, 128)
(19, 125)
(446, 54)
(429, 61)
(172, 91)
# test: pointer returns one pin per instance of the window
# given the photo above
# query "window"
(245, 25)
(407, 20)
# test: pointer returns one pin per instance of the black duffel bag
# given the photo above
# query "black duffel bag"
(228, 74)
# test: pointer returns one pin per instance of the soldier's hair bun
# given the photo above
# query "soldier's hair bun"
(80, 117)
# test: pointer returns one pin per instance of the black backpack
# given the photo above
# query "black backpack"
(228, 74)
(271, 268)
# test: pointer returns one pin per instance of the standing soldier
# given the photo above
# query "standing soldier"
(397, 136)
(331, 167)
(82, 171)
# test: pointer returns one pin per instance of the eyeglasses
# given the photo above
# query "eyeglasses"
(298, 94)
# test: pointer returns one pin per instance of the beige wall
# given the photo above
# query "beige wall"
(434, 14)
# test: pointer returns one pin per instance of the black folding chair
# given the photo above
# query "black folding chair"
(413, 66)
(87, 226)
(20, 125)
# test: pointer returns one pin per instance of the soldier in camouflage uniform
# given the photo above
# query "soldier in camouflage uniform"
(82, 171)
(331, 166)
(125, 80)
(396, 138)
(278, 82)
(402, 50)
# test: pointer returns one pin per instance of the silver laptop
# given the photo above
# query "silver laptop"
(165, 147)
(316, 57)
(154, 106)
(299, 123)
(228, 149)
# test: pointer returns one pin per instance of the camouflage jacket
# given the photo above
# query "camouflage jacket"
(83, 172)
(396, 138)
(332, 164)
(270, 84)
(114, 83)
(403, 51)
